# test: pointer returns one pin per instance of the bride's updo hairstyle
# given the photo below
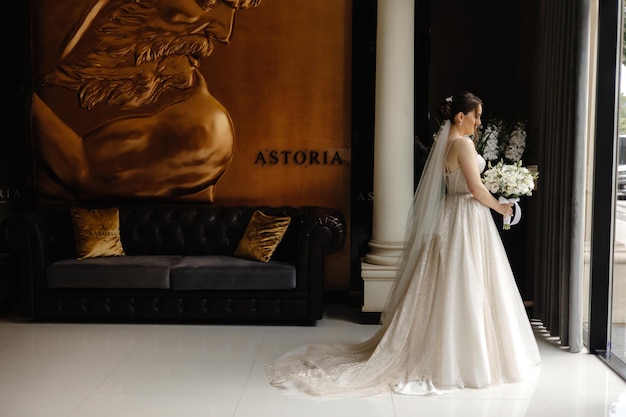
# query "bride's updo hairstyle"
(461, 102)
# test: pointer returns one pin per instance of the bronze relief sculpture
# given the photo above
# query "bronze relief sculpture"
(157, 131)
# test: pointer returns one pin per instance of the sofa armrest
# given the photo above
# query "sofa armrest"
(324, 229)
(25, 235)
(322, 233)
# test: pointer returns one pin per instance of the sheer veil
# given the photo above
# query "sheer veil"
(424, 217)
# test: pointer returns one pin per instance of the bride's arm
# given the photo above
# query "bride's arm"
(466, 156)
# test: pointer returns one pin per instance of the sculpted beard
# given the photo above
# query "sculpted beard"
(131, 65)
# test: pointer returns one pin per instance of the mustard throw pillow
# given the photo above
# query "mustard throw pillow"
(262, 236)
(96, 232)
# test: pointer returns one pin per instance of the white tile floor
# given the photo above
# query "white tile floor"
(98, 370)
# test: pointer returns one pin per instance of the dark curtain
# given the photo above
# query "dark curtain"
(562, 100)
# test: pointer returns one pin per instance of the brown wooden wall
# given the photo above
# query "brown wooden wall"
(283, 79)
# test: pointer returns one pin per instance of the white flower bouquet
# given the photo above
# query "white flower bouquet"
(510, 182)
(499, 140)
(489, 138)
(516, 143)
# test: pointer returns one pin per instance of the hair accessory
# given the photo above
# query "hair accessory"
(449, 99)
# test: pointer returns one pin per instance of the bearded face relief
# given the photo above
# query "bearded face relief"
(163, 135)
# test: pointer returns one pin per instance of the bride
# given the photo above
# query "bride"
(454, 318)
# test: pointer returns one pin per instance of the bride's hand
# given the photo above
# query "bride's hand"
(505, 209)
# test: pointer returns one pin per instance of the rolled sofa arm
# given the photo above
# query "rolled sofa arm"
(323, 233)
(324, 227)
(25, 235)
(334, 224)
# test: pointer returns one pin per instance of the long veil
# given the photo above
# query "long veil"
(382, 361)
(424, 217)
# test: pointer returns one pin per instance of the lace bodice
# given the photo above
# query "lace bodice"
(455, 181)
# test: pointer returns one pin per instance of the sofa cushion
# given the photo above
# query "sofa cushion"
(96, 232)
(112, 272)
(262, 236)
(231, 273)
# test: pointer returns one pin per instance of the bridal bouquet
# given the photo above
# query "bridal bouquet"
(509, 182)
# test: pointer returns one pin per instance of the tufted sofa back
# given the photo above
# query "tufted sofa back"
(196, 230)
(180, 229)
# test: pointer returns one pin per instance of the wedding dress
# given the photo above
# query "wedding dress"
(454, 319)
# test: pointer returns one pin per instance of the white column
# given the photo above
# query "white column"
(393, 148)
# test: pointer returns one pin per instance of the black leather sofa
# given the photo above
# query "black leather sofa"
(286, 290)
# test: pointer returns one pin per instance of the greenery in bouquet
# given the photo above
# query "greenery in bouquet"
(509, 180)
(500, 140)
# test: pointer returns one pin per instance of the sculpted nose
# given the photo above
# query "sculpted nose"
(220, 25)
(188, 16)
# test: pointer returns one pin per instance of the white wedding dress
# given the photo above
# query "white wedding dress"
(461, 322)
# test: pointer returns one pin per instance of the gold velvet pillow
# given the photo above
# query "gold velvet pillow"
(97, 232)
(262, 236)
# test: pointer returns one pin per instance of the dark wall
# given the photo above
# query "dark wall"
(363, 98)
(14, 188)
(487, 47)
(492, 48)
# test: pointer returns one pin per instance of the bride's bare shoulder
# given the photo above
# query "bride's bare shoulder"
(460, 142)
